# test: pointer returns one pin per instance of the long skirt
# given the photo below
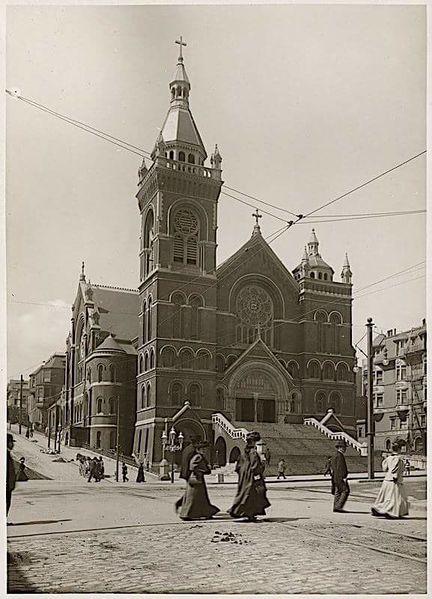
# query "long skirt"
(251, 500)
(392, 500)
(196, 503)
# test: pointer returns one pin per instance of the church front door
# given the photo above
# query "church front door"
(245, 409)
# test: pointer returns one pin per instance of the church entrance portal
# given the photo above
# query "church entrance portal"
(254, 409)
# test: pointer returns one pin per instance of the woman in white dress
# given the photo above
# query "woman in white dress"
(392, 501)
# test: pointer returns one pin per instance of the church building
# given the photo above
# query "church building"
(248, 340)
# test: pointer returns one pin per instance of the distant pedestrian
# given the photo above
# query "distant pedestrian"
(10, 472)
(267, 456)
(31, 430)
(27, 433)
(251, 498)
(328, 470)
(100, 469)
(21, 475)
(392, 501)
(407, 467)
(140, 474)
(92, 470)
(339, 474)
(281, 469)
(125, 473)
(196, 503)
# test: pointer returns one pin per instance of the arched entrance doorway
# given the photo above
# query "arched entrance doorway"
(257, 391)
(220, 451)
(234, 455)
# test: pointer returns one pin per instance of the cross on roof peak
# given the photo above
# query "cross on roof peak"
(256, 216)
(181, 43)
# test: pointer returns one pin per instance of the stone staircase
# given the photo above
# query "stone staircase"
(304, 448)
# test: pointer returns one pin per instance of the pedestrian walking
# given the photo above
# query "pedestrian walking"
(196, 503)
(328, 470)
(281, 469)
(21, 474)
(27, 433)
(188, 452)
(31, 430)
(339, 474)
(251, 498)
(267, 455)
(10, 472)
(392, 501)
(140, 474)
(407, 467)
(92, 470)
(125, 473)
(100, 469)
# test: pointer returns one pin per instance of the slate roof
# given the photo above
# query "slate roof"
(118, 310)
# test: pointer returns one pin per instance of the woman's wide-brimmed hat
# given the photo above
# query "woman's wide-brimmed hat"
(253, 436)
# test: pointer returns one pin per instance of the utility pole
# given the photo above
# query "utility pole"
(20, 404)
(370, 407)
(118, 439)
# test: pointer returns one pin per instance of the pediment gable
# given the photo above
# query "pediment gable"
(256, 256)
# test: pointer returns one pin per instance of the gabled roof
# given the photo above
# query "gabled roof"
(255, 244)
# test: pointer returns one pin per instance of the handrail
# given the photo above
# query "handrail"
(226, 425)
(360, 447)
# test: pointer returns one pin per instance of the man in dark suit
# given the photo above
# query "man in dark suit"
(339, 474)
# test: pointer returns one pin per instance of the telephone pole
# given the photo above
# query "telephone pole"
(118, 439)
(370, 407)
(20, 404)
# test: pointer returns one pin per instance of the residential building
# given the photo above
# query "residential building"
(44, 389)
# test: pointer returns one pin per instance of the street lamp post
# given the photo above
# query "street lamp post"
(118, 440)
(172, 442)
(370, 410)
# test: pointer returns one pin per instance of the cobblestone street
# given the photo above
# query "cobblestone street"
(126, 538)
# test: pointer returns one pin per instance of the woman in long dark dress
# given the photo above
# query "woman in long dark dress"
(251, 499)
(140, 474)
(196, 503)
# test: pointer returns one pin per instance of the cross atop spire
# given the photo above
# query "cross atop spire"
(82, 276)
(181, 43)
(256, 215)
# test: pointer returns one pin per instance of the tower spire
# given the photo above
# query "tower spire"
(346, 274)
(82, 275)
(313, 244)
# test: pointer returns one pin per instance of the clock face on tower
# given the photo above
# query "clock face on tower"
(254, 306)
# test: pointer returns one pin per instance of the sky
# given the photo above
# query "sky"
(305, 102)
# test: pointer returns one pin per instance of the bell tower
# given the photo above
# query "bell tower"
(177, 199)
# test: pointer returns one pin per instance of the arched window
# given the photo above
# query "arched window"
(171, 154)
(148, 395)
(100, 373)
(203, 360)
(325, 276)
(98, 439)
(230, 360)
(149, 320)
(99, 403)
(320, 275)
(144, 322)
(181, 157)
(168, 357)
(186, 358)
(152, 360)
(293, 369)
(176, 394)
(343, 373)
(148, 243)
(333, 344)
(140, 364)
(112, 373)
(146, 362)
(191, 159)
(196, 303)
(314, 370)
(312, 274)
(220, 400)
(195, 394)
(388, 445)
(335, 401)
(178, 300)
(320, 402)
(186, 231)
(220, 363)
(143, 397)
(89, 375)
(328, 371)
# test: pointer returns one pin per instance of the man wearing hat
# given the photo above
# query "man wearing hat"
(339, 474)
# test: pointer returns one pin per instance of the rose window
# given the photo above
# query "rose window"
(254, 307)
(185, 222)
